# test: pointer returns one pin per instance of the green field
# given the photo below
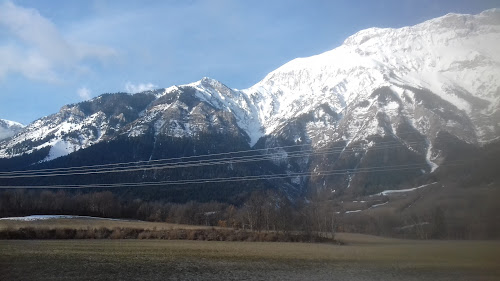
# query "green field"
(362, 258)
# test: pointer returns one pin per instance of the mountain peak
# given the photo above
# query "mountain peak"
(454, 56)
(12, 123)
(208, 82)
(9, 128)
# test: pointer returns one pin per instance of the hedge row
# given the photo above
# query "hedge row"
(212, 234)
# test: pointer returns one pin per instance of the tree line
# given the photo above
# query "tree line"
(262, 211)
(265, 211)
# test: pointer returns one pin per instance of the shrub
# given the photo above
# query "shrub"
(173, 234)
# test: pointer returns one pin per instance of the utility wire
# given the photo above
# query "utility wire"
(181, 159)
(375, 169)
(230, 160)
(208, 162)
(241, 178)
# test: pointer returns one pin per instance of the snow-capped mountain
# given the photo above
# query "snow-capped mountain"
(454, 57)
(76, 126)
(411, 89)
(9, 128)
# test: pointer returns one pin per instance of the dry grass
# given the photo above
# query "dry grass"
(473, 255)
(86, 228)
(360, 239)
(364, 258)
(85, 223)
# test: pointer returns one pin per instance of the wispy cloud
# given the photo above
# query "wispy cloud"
(137, 88)
(84, 93)
(35, 48)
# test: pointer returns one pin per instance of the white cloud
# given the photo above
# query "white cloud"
(84, 93)
(31, 64)
(131, 88)
(33, 46)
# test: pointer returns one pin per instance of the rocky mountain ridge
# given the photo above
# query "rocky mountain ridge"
(406, 89)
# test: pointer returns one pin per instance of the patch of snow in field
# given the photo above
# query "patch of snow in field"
(413, 225)
(51, 217)
(378, 205)
(386, 192)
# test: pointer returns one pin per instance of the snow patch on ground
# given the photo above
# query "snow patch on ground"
(378, 205)
(413, 225)
(52, 217)
(387, 192)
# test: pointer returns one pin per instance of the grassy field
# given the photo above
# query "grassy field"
(83, 223)
(362, 258)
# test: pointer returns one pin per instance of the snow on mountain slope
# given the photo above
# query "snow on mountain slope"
(52, 131)
(205, 106)
(9, 128)
(440, 75)
(76, 126)
(237, 102)
(455, 57)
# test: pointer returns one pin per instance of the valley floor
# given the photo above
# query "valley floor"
(362, 258)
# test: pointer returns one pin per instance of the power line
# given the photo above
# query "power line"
(181, 159)
(156, 160)
(207, 162)
(234, 179)
(241, 178)
(374, 169)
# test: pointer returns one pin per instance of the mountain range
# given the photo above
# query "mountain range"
(388, 109)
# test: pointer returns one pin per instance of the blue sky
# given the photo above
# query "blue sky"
(57, 52)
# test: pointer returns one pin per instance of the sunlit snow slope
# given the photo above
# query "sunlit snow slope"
(455, 57)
